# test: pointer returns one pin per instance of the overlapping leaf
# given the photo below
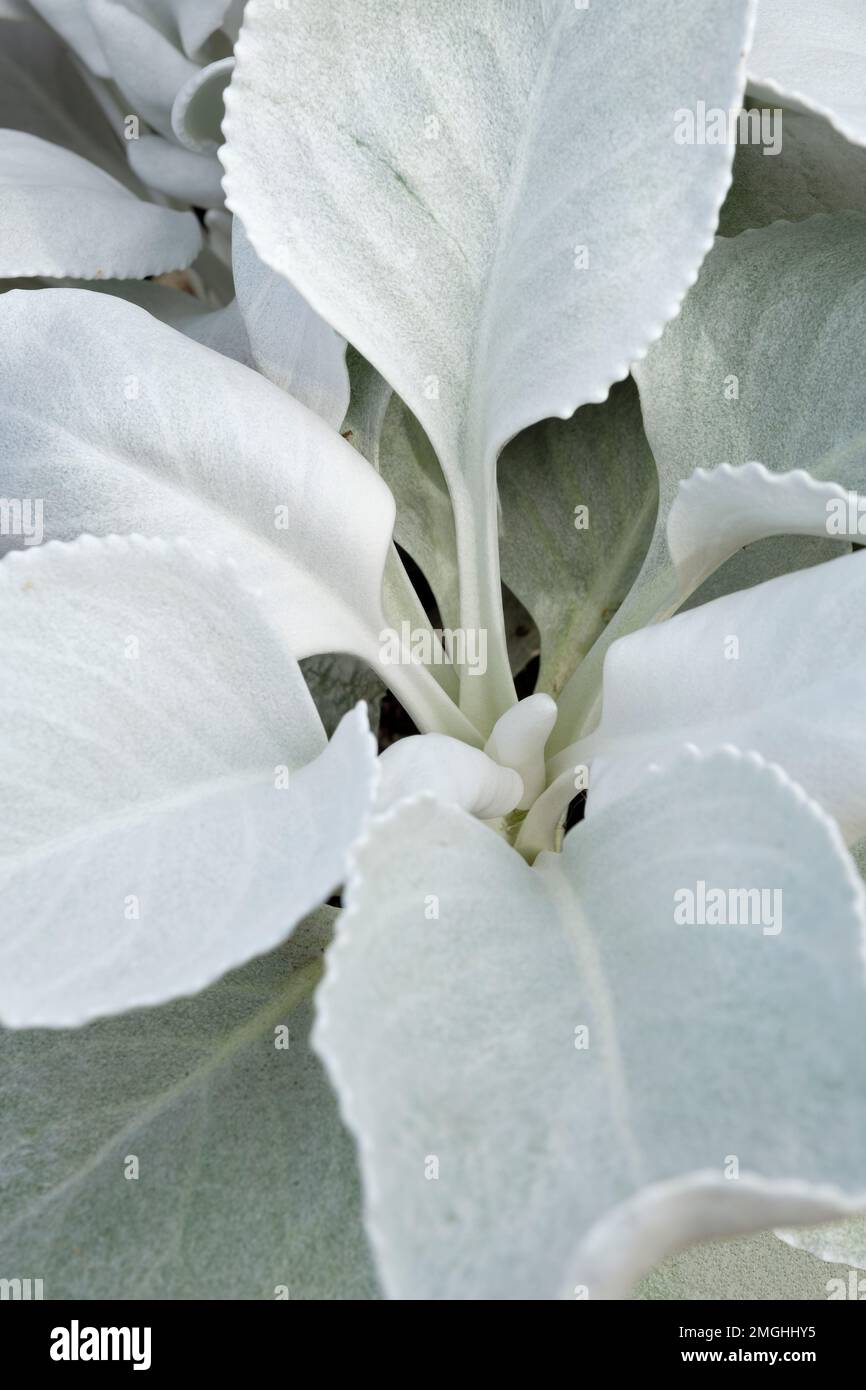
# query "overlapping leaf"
(562, 1110)
(433, 187)
(169, 806)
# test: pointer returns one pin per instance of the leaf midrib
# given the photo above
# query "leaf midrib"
(510, 206)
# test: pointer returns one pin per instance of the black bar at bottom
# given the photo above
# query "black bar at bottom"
(163, 1338)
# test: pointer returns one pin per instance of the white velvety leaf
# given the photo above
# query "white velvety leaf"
(767, 503)
(221, 329)
(141, 429)
(763, 364)
(452, 1036)
(246, 1181)
(44, 92)
(289, 343)
(768, 344)
(448, 769)
(183, 441)
(816, 170)
(225, 332)
(746, 669)
(74, 23)
(179, 173)
(476, 308)
(718, 510)
(838, 1242)
(518, 740)
(61, 215)
(197, 110)
(843, 1241)
(765, 559)
(814, 59)
(170, 808)
(144, 62)
(752, 1267)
